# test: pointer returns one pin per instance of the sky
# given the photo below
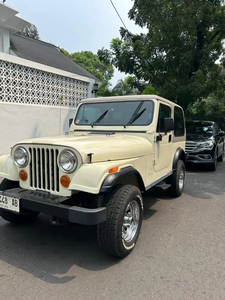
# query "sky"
(77, 25)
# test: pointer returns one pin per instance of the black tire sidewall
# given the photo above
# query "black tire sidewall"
(109, 233)
(215, 160)
(175, 189)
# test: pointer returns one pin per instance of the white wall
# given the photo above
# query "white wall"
(4, 40)
(23, 121)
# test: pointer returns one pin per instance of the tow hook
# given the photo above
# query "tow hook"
(55, 221)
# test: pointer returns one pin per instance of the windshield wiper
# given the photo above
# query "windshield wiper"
(135, 114)
(99, 119)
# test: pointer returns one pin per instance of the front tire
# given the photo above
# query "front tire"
(220, 158)
(215, 160)
(25, 217)
(119, 233)
(177, 180)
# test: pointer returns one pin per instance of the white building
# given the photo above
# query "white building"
(39, 86)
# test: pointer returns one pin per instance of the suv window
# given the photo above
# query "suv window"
(178, 121)
(164, 112)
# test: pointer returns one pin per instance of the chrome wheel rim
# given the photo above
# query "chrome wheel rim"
(181, 179)
(130, 221)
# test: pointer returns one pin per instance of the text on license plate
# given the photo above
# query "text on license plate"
(9, 203)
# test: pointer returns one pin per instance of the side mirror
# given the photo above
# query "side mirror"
(168, 124)
(221, 134)
(70, 122)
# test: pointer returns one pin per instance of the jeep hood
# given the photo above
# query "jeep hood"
(104, 147)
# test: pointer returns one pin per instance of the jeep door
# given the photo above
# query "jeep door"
(163, 142)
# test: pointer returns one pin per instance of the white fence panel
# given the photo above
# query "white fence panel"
(24, 121)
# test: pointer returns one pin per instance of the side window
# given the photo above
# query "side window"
(178, 121)
(164, 112)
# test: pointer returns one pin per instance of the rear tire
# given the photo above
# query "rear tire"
(119, 233)
(25, 217)
(177, 180)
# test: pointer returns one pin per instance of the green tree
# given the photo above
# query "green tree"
(125, 87)
(148, 90)
(31, 31)
(65, 52)
(102, 70)
(105, 91)
(177, 55)
(210, 109)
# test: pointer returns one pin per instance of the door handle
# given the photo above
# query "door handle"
(170, 138)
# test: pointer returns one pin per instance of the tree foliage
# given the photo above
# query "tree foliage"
(177, 55)
(210, 109)
(125, 87)
(105, 91)
(65, 52)
(103, 70)
(31, 31)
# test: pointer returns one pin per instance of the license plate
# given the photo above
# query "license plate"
(10, 203)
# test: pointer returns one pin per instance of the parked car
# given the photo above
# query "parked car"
(204, 143)
(117, 148)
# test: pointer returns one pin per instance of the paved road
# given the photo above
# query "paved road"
(180, 254)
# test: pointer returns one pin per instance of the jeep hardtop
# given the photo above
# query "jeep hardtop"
(116, 149)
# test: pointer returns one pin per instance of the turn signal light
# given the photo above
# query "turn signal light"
(113, 170)
(23, 175)
(65, 181)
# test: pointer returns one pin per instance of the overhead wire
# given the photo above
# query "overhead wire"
(118, 14)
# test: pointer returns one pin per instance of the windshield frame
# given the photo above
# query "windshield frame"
(116, 125)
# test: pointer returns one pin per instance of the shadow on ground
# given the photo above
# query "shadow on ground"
(48, 252)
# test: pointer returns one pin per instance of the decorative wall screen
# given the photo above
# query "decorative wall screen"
(21, 84)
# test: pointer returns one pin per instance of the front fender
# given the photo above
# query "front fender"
(89, 177)
(7, 168)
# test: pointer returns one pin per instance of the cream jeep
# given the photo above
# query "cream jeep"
(117, 148)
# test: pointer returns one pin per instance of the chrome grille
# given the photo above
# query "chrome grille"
(189, 146)
(44, 170)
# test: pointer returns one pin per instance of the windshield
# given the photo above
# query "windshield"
(199, 128)
(129, 113)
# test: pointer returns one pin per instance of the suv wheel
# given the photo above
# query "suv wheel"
(119, 234)
(220, 158)
(26, 216)
(215, 160)
(178, 180)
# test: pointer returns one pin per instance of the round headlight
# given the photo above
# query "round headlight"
(67, 161)
(21, 157)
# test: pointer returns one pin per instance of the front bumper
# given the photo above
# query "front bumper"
(205, 157)
(46, 203)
